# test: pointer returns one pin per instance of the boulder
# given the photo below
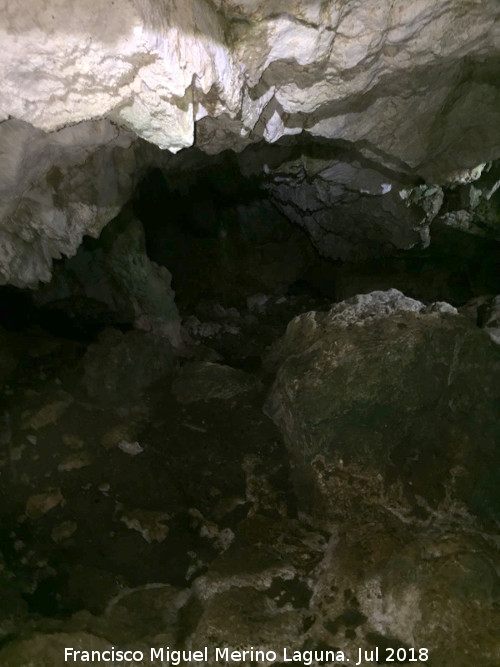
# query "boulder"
(204, 380)
(385, 400)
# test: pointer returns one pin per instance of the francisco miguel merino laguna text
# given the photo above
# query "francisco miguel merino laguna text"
(224, 655)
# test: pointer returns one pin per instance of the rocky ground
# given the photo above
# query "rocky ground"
(286, 452)
(147, 500)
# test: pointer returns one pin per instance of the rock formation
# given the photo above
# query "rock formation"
(407, 92)
(382, 395)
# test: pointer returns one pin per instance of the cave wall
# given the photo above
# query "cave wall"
(410, 88)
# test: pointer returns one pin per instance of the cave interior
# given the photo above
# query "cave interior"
(250, 346)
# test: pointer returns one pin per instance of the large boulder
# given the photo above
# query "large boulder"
(385, 400)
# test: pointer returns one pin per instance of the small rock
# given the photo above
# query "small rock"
(117, 434)
(48, 414)
(221, 538)
(41, 503)
(16, 453)
(75, 462)
(73, 441)
(148, 523)
(132, 448)
(63, 531)
(32, 439)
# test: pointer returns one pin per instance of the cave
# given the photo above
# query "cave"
(249, 333)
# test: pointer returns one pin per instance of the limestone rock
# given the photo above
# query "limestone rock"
(113, 274)
(41, 503)
(384, 397)
(144, 612)
(437, 591)
(204, 380)
(75, 462)
(370, 72)
(485, 312)
(130, 448)
(150, 524)
(376, 581)
(49, 413)
(119, 366)
(401, 84)
(473, 205)
(120, 433)
(243, 617)
(63, 531)
(492, 319)
(47, 650)
(54, 188)
(352, 210)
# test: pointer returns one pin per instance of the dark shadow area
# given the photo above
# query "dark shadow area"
(217, 232)
(220, 236)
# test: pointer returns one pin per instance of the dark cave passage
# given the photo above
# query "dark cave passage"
(223, 238)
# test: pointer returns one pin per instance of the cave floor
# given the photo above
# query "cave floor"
(159, 498)
(98, 498)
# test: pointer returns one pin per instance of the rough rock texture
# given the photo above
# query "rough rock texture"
(144, 522)
(412, 88)
(382, 397)
(119, 366)
(48, 650)
(485, 312)
(114, 274)
(353, 210)
(474, 207)
(282, 584)
(204, 381)
(388, 74)
(54, 188)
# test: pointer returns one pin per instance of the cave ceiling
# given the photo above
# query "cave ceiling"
(367, 108)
